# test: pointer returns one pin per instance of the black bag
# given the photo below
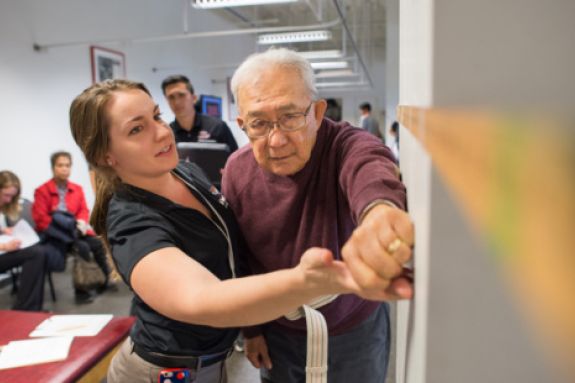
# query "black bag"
(58, 239)
(86, 274)
(62, 227)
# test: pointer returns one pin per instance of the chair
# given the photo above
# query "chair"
(15, 273)
(48, 276)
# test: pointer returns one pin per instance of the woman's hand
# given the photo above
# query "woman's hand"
(324, 274)
(10, 245)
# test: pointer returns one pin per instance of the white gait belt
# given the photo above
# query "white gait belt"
(317, 337)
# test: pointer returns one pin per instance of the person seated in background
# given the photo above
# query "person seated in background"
(189, 125)
(30, 296)
(56, 203)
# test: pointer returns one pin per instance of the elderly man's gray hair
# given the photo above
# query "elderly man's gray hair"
(258, 62)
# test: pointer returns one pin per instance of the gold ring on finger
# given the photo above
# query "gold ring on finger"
(393, 246)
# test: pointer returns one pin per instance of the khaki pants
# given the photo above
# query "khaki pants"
(127, 366)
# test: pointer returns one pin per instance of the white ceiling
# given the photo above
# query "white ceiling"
(362, 41)
(357, 26)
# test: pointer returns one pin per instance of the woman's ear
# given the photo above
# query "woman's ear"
(110, 161)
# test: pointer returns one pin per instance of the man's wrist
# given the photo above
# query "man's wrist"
(373, 204)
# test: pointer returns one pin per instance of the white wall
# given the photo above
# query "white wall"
(391, 62)
(463, 324)
(415, 89)
(416, 52)
(504, 54)
(412, 316)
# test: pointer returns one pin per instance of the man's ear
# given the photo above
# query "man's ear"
(320, 108)
(194, 98)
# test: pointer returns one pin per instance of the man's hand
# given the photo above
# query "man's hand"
(376, 252)
(256, 350)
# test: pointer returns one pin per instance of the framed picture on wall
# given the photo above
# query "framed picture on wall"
(107, 64)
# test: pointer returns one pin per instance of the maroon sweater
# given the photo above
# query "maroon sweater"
(280, 217)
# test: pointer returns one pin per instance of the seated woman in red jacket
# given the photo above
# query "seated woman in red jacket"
(59, 194)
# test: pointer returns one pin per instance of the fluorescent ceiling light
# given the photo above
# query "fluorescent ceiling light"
(328, 54)
(294, 37)
(330, 65)
(342, 84)
(206, 4)
(336, 73)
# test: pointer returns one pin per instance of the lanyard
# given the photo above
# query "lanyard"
(222, 227)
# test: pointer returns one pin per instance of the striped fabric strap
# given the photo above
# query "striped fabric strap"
(317, 337)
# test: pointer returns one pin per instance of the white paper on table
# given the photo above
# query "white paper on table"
(34, 351)
(72, 325)
(23, 232)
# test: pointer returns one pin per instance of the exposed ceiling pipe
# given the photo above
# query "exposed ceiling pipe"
(240, 16)
(317, 11)
(253, 23)
(185, 15)
(343, 42)
(182, 36)
(353, 44)
(345, 85)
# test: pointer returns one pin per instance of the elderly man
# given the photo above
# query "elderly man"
(307, 181)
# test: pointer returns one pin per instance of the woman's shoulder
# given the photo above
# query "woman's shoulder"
(126, 210)
(128, 202)
(132, 219)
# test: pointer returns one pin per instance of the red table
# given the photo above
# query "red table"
(87, 361)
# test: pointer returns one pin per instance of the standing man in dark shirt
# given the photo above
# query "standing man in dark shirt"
(190, 126)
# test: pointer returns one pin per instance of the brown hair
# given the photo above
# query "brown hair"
(175, 79)
(90, 127)
(12, 209)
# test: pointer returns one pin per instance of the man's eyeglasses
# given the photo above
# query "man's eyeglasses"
(287, 123)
